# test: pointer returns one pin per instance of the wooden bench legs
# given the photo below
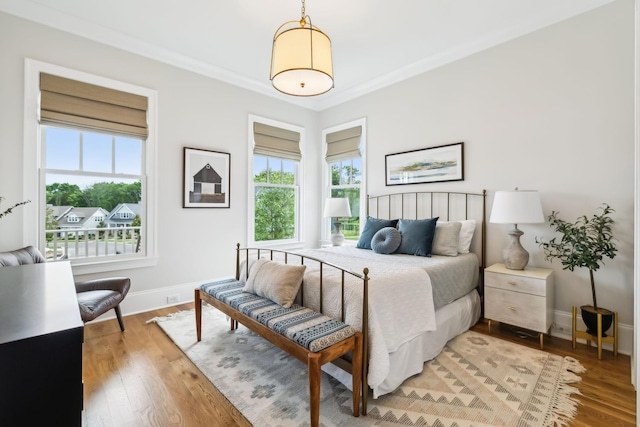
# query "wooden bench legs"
(314, 360)
(314, 387)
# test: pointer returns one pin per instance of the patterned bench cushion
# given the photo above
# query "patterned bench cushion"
(310, 329)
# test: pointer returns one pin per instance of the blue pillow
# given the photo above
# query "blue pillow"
(386, 240)
(371, 227)
(417, 236)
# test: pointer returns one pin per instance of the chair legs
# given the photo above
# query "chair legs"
(119, 315)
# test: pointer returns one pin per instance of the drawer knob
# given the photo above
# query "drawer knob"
(512, 283)
(512, 308)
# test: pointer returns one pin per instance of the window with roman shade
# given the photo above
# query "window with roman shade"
(276, 178)
(344, 158)
(95, 151)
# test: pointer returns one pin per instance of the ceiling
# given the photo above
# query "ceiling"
(375, 42)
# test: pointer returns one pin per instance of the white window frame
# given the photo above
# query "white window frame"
(298, 241)
(326, 172)
(33, 218)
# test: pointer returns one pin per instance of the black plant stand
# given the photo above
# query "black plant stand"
(613, 338)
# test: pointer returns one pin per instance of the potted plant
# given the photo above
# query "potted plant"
(584, 243)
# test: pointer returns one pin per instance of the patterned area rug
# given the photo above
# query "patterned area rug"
(476, 381)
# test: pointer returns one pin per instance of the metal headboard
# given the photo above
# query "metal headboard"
(448, 205)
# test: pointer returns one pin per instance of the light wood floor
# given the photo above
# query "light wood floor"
(140, 378)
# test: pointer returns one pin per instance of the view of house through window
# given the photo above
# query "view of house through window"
(346, 181)
(93, 193)
(276, 198)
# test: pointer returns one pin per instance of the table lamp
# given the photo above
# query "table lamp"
(337, 207)
(516, 207)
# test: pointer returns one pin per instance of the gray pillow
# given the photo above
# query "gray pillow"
(445, 241)
(278, 282)
(386, 240)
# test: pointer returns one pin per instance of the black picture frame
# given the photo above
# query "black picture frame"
(432, 164)
(206, 178)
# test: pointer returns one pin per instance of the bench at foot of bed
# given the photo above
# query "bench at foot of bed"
(323, 340)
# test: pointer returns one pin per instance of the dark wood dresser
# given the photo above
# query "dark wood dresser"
(41, 337)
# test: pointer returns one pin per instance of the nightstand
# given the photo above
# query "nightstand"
(522, 298)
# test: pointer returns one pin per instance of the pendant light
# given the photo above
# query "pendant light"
(301, 62)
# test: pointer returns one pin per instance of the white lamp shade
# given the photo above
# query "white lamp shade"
(301, 63)
(516, 207)
(337, 207)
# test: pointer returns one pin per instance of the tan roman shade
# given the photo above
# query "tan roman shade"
(70, 102)
(344, 144)
(272, 141)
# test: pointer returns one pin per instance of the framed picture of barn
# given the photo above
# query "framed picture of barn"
(206, 178)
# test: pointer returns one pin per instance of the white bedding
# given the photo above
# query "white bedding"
(390, 324)
(408, 360)
(401, 297)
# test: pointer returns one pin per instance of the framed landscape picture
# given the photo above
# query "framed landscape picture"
(206, 178)
(433, 164)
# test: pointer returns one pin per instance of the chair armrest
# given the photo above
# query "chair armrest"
(118, 284)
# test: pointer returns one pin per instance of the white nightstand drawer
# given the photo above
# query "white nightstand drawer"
(516, 283)
(519, 309)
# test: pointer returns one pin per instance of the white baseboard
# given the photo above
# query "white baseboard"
(562, 329)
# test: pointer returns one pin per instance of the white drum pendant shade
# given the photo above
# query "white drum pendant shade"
(301, 62)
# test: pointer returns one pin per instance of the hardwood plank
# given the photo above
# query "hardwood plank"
(142, 371)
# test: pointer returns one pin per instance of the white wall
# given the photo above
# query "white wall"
(194, 245)
(551, 111)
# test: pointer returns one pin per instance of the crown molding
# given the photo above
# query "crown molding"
(52, 18)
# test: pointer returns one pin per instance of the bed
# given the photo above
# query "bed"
(407, 306)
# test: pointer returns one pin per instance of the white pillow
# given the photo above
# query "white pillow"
(445, 241)
(466, 234)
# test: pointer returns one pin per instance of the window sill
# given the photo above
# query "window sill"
(279, 245)
(112, 265)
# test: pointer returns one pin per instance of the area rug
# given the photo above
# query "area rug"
(477, 381)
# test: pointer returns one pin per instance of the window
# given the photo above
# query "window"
(95, 170)
(95, 139)
(275, 165)
(345, 169)
(276, 198)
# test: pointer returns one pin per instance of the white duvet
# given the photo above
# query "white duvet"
(400, 299)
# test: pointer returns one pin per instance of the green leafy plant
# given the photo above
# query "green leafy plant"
(9, 210)
(584, 243)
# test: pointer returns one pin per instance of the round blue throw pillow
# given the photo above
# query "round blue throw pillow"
(386, 240)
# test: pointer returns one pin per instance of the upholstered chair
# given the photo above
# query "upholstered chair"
(95, 297)
(98, 296)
